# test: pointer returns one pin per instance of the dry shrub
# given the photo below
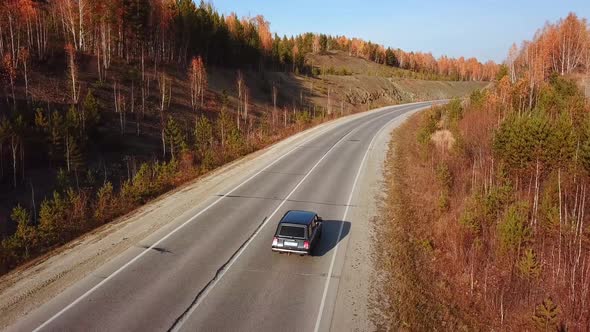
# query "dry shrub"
(476, 130)
(443, 140)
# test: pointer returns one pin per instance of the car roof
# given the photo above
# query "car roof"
(298, 217)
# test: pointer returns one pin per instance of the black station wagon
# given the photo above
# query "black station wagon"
(298, 232)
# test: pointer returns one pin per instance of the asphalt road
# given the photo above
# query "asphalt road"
(214, 270)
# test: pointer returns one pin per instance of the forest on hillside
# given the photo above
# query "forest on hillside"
(174, 31)
(106, 104)
(501, 240)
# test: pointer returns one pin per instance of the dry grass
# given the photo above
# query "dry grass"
(413, 296)
(443, 140)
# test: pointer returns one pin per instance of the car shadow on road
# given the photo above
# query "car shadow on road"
(329, 240)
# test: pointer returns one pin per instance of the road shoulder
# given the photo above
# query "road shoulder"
(355, 291)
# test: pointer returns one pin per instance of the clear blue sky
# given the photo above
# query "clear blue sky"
(481, 28)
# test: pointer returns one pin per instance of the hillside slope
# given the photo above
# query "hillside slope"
(361, 82)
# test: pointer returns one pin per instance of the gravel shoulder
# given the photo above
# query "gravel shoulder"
(356, 289)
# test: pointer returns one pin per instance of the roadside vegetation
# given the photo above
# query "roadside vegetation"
(485, 224)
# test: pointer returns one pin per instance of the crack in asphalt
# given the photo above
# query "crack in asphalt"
(217, 273)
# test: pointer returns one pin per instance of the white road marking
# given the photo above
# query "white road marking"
(331, 269)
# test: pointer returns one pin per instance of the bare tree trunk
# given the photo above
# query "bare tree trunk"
(143, 96)
(238, 119)
(172, 150)
(26, 79)
(81, 6)
(12, 48)
(119, 108)
(135, 115)
(274, 102)
(98, 66)
(68, 152)
(14, 146)
(1, 41)
(163, 140)
(329, 102)
(222, 134)
(502, 308)
(560, 220)
(240, 82)
(73, 73)
(33, 203)
(22, 159)
(536, 198)
(1, 160)
(162, 108)
(246, 97)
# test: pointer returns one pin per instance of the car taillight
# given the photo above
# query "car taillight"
(275, 241)
(306, 245)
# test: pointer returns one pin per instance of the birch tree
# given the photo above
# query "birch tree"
(198, 82)
(73, 73)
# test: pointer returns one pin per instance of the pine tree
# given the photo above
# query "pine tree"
(235, 142)
(74, 155)
(53, 219)
(90, 111)
(55, 128)
(105, 203)
(514, 230)
(546, 316)
(528, 265)
(25, 237)
(175, 138)
(224, 125)
(203, 134)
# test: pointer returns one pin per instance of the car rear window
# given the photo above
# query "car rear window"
(292, 231)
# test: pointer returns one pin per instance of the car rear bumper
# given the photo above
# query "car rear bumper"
(291, 251)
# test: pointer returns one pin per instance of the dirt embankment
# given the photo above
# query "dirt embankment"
(356, 82)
